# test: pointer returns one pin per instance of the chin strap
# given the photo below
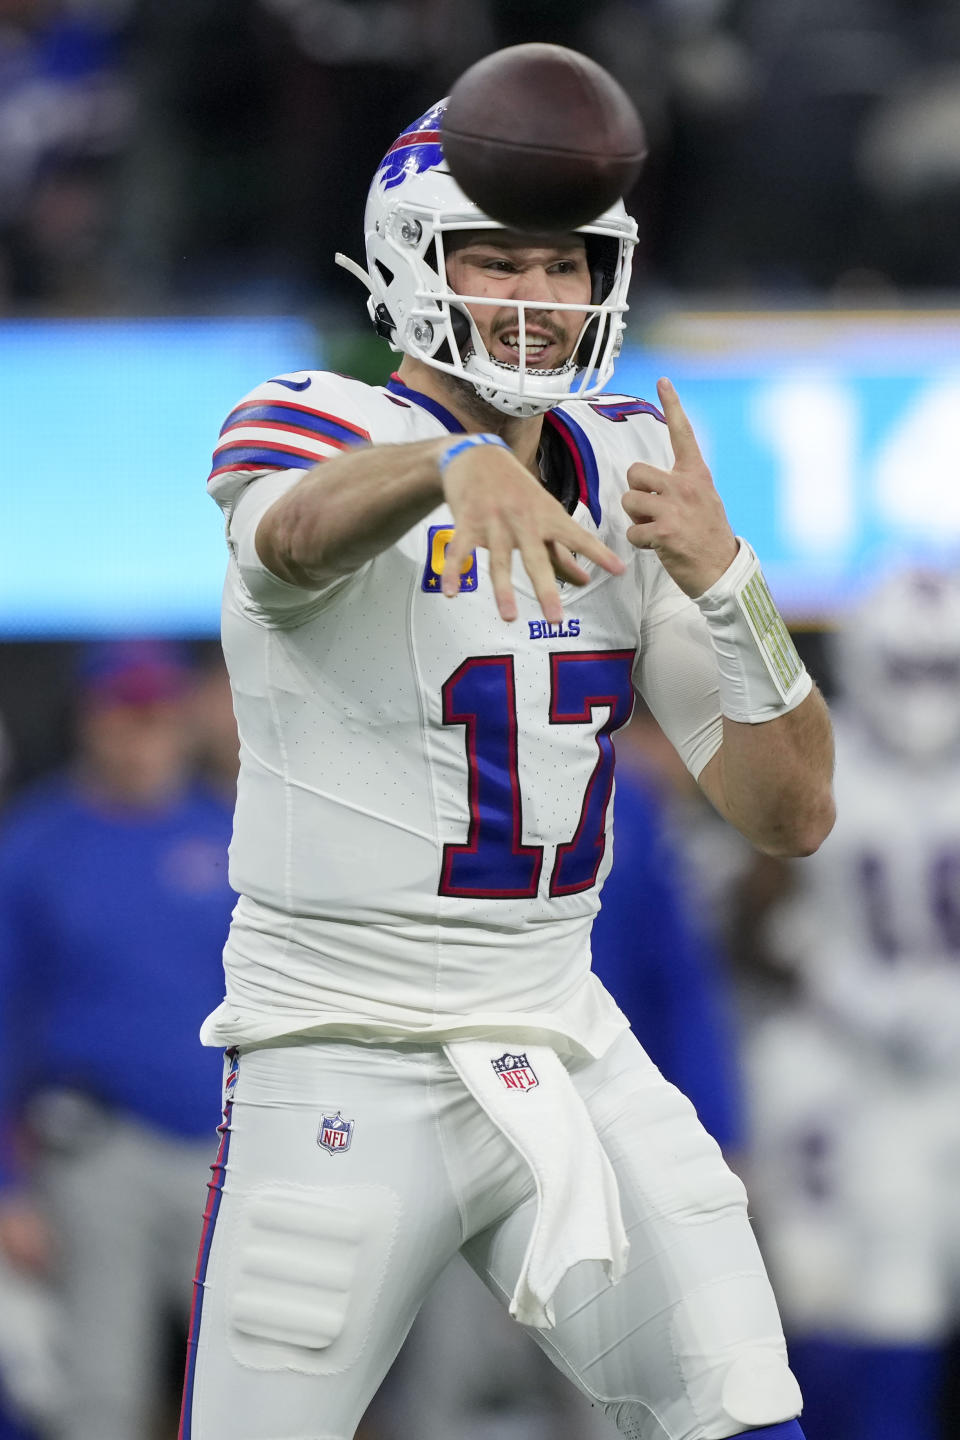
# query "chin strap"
(379, 314)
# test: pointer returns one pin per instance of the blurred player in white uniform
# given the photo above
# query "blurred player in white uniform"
(441, 595)
(857, 1180)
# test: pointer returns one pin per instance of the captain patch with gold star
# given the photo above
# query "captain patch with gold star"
(438, 538)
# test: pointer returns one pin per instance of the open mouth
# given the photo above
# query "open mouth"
(542, 351)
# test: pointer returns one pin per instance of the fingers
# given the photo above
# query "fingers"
(641, 476)
(591, 547)
(538, 563)
(455, 559)
(501, 568)
(642, 505)
(644, 509)
(544, 558)
(642, 537)
(684, 442)
(501, 512)
(502, 583)
(564, 564)
(455, 556)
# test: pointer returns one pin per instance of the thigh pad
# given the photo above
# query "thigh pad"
(305, 1273)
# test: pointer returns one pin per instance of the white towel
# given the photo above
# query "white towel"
(530, 1098)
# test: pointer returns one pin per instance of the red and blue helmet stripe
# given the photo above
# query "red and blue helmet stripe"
(419, 148)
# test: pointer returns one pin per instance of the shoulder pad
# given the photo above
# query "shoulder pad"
(290, 422)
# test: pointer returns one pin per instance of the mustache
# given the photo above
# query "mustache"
(540, 319)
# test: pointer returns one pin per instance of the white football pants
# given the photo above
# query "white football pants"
(314, 1261)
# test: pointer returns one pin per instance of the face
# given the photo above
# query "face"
(213, 725)
(508, 267)
(138, 752)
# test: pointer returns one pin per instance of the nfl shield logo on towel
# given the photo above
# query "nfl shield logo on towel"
(335, 1133)
(515, 1071)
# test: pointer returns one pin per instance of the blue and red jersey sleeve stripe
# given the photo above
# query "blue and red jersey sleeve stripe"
(281, 434)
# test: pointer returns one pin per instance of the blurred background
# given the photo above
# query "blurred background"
(175, 177)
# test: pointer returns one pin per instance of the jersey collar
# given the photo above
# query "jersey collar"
(584, 460)
(581, 451)
(440, 412)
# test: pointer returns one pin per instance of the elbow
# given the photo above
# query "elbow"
(288, 544)
(804, 832)
(294, 544)
(272, 542)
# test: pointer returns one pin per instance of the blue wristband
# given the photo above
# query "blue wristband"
(465, 443)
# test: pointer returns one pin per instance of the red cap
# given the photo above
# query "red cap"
(132, 672)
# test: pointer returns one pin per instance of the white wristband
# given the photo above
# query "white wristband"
(466, 442)
(761, 675)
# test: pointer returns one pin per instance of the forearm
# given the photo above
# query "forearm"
(773, 780)
(349, 509)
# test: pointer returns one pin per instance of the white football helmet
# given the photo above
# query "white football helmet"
(897, 657)
(413, 203)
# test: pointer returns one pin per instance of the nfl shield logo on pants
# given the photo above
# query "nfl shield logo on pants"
(335, 1133)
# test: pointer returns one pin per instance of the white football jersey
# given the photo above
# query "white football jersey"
(423, 814)
(874, 923)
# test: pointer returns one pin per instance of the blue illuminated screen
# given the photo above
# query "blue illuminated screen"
(105, 524)
(831, 437)
(832, 440)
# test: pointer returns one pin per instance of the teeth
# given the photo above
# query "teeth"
(533, 346)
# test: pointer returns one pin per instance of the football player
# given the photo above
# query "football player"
(857, 1087)
(441, 596)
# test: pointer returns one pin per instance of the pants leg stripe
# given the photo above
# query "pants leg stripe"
(215, 1191)
(788, 1430)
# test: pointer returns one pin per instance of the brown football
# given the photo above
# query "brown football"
(542, 138)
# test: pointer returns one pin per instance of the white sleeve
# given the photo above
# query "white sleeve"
(676, 673)
(268, 442)
(262, 592)
(266, 590)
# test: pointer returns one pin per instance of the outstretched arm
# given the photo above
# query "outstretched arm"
(351, 508)
(772, 776)
(773, 780)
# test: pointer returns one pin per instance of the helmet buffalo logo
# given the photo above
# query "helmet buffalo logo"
(417, 149)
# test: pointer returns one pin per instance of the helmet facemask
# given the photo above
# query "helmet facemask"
(408, 224)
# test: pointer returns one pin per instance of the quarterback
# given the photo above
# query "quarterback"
(442, 595)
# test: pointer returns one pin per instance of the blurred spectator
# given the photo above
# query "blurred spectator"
(66, 112)
(26, 1374)
(856, 1083)
(210, 153)
(200, 199)
(761, 185)
(114, 906)
(467, 1370)
(213, 725)
(909, 168)
(31, 1392)
(354, 73)
(6, 758)
(657, 950)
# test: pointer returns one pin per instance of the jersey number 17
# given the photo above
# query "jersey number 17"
(481, 695)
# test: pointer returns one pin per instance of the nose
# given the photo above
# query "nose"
(533, 283)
